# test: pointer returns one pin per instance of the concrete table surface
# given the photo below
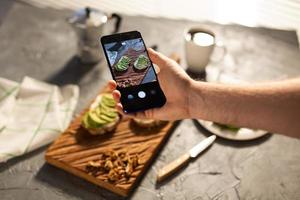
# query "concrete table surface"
(39, 43)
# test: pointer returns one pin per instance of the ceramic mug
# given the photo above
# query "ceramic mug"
(199, 45)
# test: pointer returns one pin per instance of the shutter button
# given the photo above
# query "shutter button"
(142, 94)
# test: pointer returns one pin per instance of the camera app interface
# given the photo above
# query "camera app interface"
(130, 63)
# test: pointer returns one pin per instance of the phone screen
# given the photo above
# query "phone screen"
(129, 62)
(133, 71)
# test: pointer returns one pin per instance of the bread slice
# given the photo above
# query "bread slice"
(147, 123)
(105, 126)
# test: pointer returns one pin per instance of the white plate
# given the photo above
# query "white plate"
(241, 134)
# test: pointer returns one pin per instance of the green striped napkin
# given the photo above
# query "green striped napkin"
(32, 114)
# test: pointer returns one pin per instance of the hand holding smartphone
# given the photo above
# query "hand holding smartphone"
(132, 69)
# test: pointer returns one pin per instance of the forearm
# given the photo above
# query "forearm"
(274, 107)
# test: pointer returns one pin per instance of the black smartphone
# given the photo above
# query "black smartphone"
(132, 69)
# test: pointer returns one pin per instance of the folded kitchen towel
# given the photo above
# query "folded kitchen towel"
(32, 114)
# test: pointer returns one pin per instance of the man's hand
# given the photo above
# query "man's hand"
(270, 106)
(175, 84)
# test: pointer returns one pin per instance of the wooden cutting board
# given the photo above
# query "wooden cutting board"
(75, 147)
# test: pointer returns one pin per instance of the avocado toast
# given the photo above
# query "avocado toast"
(141, 63)
(102, 116)
(122, 64)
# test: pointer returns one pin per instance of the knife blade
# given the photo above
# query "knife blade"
(196, 150)
(183, 159)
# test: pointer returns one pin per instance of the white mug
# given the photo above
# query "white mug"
(199, 45)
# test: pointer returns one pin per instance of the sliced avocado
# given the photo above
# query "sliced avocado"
(85, 120)
(110, 102)
(108, 98)
(106, 108)
(88, 122)
(111, 114)
(106, 118)
(101, 115)
(107, 111)
(227, 126)
(98, 110)
(95, 121)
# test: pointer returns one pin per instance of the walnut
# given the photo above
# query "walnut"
(114, 156)
(134, 161)
(118, 163)
(93, 168)
(108, 165)
(129, 169)
(112, 175)
(125, 159)
(122, 154)
(121, 172)
(118, 166)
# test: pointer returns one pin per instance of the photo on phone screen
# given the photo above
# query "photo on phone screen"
(133, 71)
(129, 62)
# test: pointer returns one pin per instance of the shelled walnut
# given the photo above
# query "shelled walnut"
(118, 166)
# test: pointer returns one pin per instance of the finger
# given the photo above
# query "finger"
(156, 68)
(116, 95)
(158, 58)
(119, 108)
(112, 85)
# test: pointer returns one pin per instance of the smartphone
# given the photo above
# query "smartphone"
(132, 69)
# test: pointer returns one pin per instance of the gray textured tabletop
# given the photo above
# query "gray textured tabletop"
(39, 43)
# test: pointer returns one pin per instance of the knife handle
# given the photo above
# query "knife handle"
(172, 167)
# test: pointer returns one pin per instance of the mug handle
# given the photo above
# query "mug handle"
(118, 21)
(221, 46)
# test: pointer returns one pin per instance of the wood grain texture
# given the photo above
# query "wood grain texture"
(76, 147)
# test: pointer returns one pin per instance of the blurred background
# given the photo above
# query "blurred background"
(283, 14)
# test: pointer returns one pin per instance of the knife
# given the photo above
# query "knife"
(183, 159)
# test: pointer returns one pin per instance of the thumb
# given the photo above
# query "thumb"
(158, 58)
